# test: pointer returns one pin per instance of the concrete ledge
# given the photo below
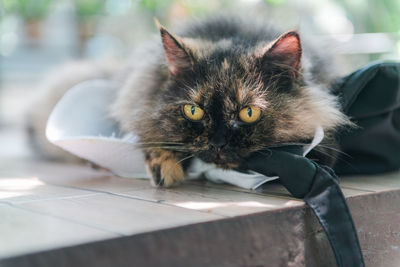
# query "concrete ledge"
(70, 215)
(284, 237)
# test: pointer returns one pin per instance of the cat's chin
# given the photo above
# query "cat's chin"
(227, 165)
(221, 161)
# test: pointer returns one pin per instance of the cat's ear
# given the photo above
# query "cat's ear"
(178, 56)
(285, 51)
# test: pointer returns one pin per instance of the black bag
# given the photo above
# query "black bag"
(371, 97)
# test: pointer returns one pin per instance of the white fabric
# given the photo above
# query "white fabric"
(79, 124)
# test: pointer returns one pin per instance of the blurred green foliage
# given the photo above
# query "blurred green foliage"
(27, 9)
(155, 5)
(275, 2)
(190, 7)
(37, 9)
(373, 15)
(366, 15)
(89, 8)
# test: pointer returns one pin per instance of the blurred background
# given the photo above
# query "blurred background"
(36, 36)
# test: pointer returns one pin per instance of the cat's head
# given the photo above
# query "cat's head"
(225, 100)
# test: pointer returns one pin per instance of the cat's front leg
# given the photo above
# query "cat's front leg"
(164, 167)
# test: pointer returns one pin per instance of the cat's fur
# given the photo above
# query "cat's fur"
(223, 65)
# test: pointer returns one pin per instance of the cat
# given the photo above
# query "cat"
(221, 89)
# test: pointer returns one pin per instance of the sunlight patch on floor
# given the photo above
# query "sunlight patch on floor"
(210, 205)
(13, 187)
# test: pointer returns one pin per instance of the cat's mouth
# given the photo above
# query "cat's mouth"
(223, 160)
(219, 159)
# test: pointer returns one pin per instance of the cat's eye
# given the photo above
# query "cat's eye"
(250, 114)
(192, 112)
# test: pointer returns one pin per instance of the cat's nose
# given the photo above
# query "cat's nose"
(218, 142)
(218, 139)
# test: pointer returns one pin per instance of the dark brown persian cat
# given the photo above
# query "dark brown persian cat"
(221, 89)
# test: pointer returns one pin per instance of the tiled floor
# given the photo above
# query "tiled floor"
(47, 205)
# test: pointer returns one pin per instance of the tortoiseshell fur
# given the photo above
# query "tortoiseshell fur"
(223, 65)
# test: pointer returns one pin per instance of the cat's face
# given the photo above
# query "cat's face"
(225, 105)
(225, 119)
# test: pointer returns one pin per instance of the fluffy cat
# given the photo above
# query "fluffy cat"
(221, 89)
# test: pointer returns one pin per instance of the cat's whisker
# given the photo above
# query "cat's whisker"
(182, 148)
(346, 162)
(188, 157)
(146, 143)
(337, 158)
(288, 144)
(171, 167)
(157, 145)
(337, 150)
(325, 153)
(177, 150)
(265, 154)
(304, 144)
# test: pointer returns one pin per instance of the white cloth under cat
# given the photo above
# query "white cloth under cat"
(80, 124)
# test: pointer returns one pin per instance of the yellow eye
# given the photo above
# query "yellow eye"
(250, 114)
(193, 113)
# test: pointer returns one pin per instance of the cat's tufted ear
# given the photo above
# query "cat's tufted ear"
(178, 56)
(285, 51)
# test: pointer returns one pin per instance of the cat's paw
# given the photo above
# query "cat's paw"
(165, 171)
(171, 173)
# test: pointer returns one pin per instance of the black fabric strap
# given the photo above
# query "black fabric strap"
(328, 203)
(318, 187)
